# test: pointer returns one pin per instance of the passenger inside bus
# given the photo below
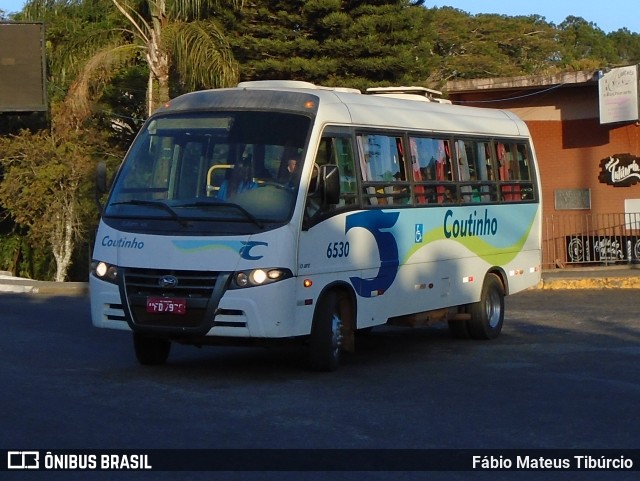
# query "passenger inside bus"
(240, 179)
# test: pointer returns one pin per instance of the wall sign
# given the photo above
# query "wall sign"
(572, 199)
(620, 170)
(618, 95)
(23, 76)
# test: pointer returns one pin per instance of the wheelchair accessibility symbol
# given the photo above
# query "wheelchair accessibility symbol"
(418, 233)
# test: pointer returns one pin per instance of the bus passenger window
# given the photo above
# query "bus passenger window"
(508, 171)
(431, 167)
(524, 168)
(383, 158)
(383, 170)
(524, 165)
(474, 171)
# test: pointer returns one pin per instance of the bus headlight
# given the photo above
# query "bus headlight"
(259, 277)
(105, 272)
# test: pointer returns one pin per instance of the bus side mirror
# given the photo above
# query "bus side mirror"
(101, 177)
(330, 184)
(101, 183)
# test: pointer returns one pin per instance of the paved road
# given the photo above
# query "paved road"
(564, 374)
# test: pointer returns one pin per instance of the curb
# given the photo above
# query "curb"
(591, 283)
(29, 286)
(67, 289)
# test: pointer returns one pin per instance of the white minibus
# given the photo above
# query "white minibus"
(285, 211)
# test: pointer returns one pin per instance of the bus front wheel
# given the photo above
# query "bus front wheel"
(151, 351)
(487, 315)
(326, 334)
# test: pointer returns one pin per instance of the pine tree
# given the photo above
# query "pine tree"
(331, 42)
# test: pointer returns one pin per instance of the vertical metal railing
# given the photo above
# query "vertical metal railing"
(586, 239)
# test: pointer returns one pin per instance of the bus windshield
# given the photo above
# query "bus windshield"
(222, 166)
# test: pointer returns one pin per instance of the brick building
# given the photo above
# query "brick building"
(590, 201)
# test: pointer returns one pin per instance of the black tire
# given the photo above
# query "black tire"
(459, 329)
(326, 334)
(151, 351)
(487, 315)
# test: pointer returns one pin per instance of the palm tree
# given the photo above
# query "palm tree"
(172, 33)
(168, 34)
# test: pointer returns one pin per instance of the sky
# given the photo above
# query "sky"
(609, 15)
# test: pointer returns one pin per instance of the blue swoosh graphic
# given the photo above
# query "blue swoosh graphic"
(242, 248)
(375, 221)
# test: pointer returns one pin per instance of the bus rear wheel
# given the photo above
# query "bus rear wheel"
(151, 351)
(325, 341)
(487, 315)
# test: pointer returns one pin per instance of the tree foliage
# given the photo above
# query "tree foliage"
(626, 45)
(584, 41)
(44, 189)
(89, 43)
(331, 42)
(75, 30)
(489, 45)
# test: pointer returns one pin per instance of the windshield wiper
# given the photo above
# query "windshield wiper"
(155, 203)
(220, 203)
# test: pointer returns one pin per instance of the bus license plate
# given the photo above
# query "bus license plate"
(166, 305)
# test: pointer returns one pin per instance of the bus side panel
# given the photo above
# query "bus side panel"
(406, 261)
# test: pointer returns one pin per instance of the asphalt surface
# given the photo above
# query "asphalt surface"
(597, 277)
(562, 375)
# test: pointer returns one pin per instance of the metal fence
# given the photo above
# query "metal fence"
(588, 239)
